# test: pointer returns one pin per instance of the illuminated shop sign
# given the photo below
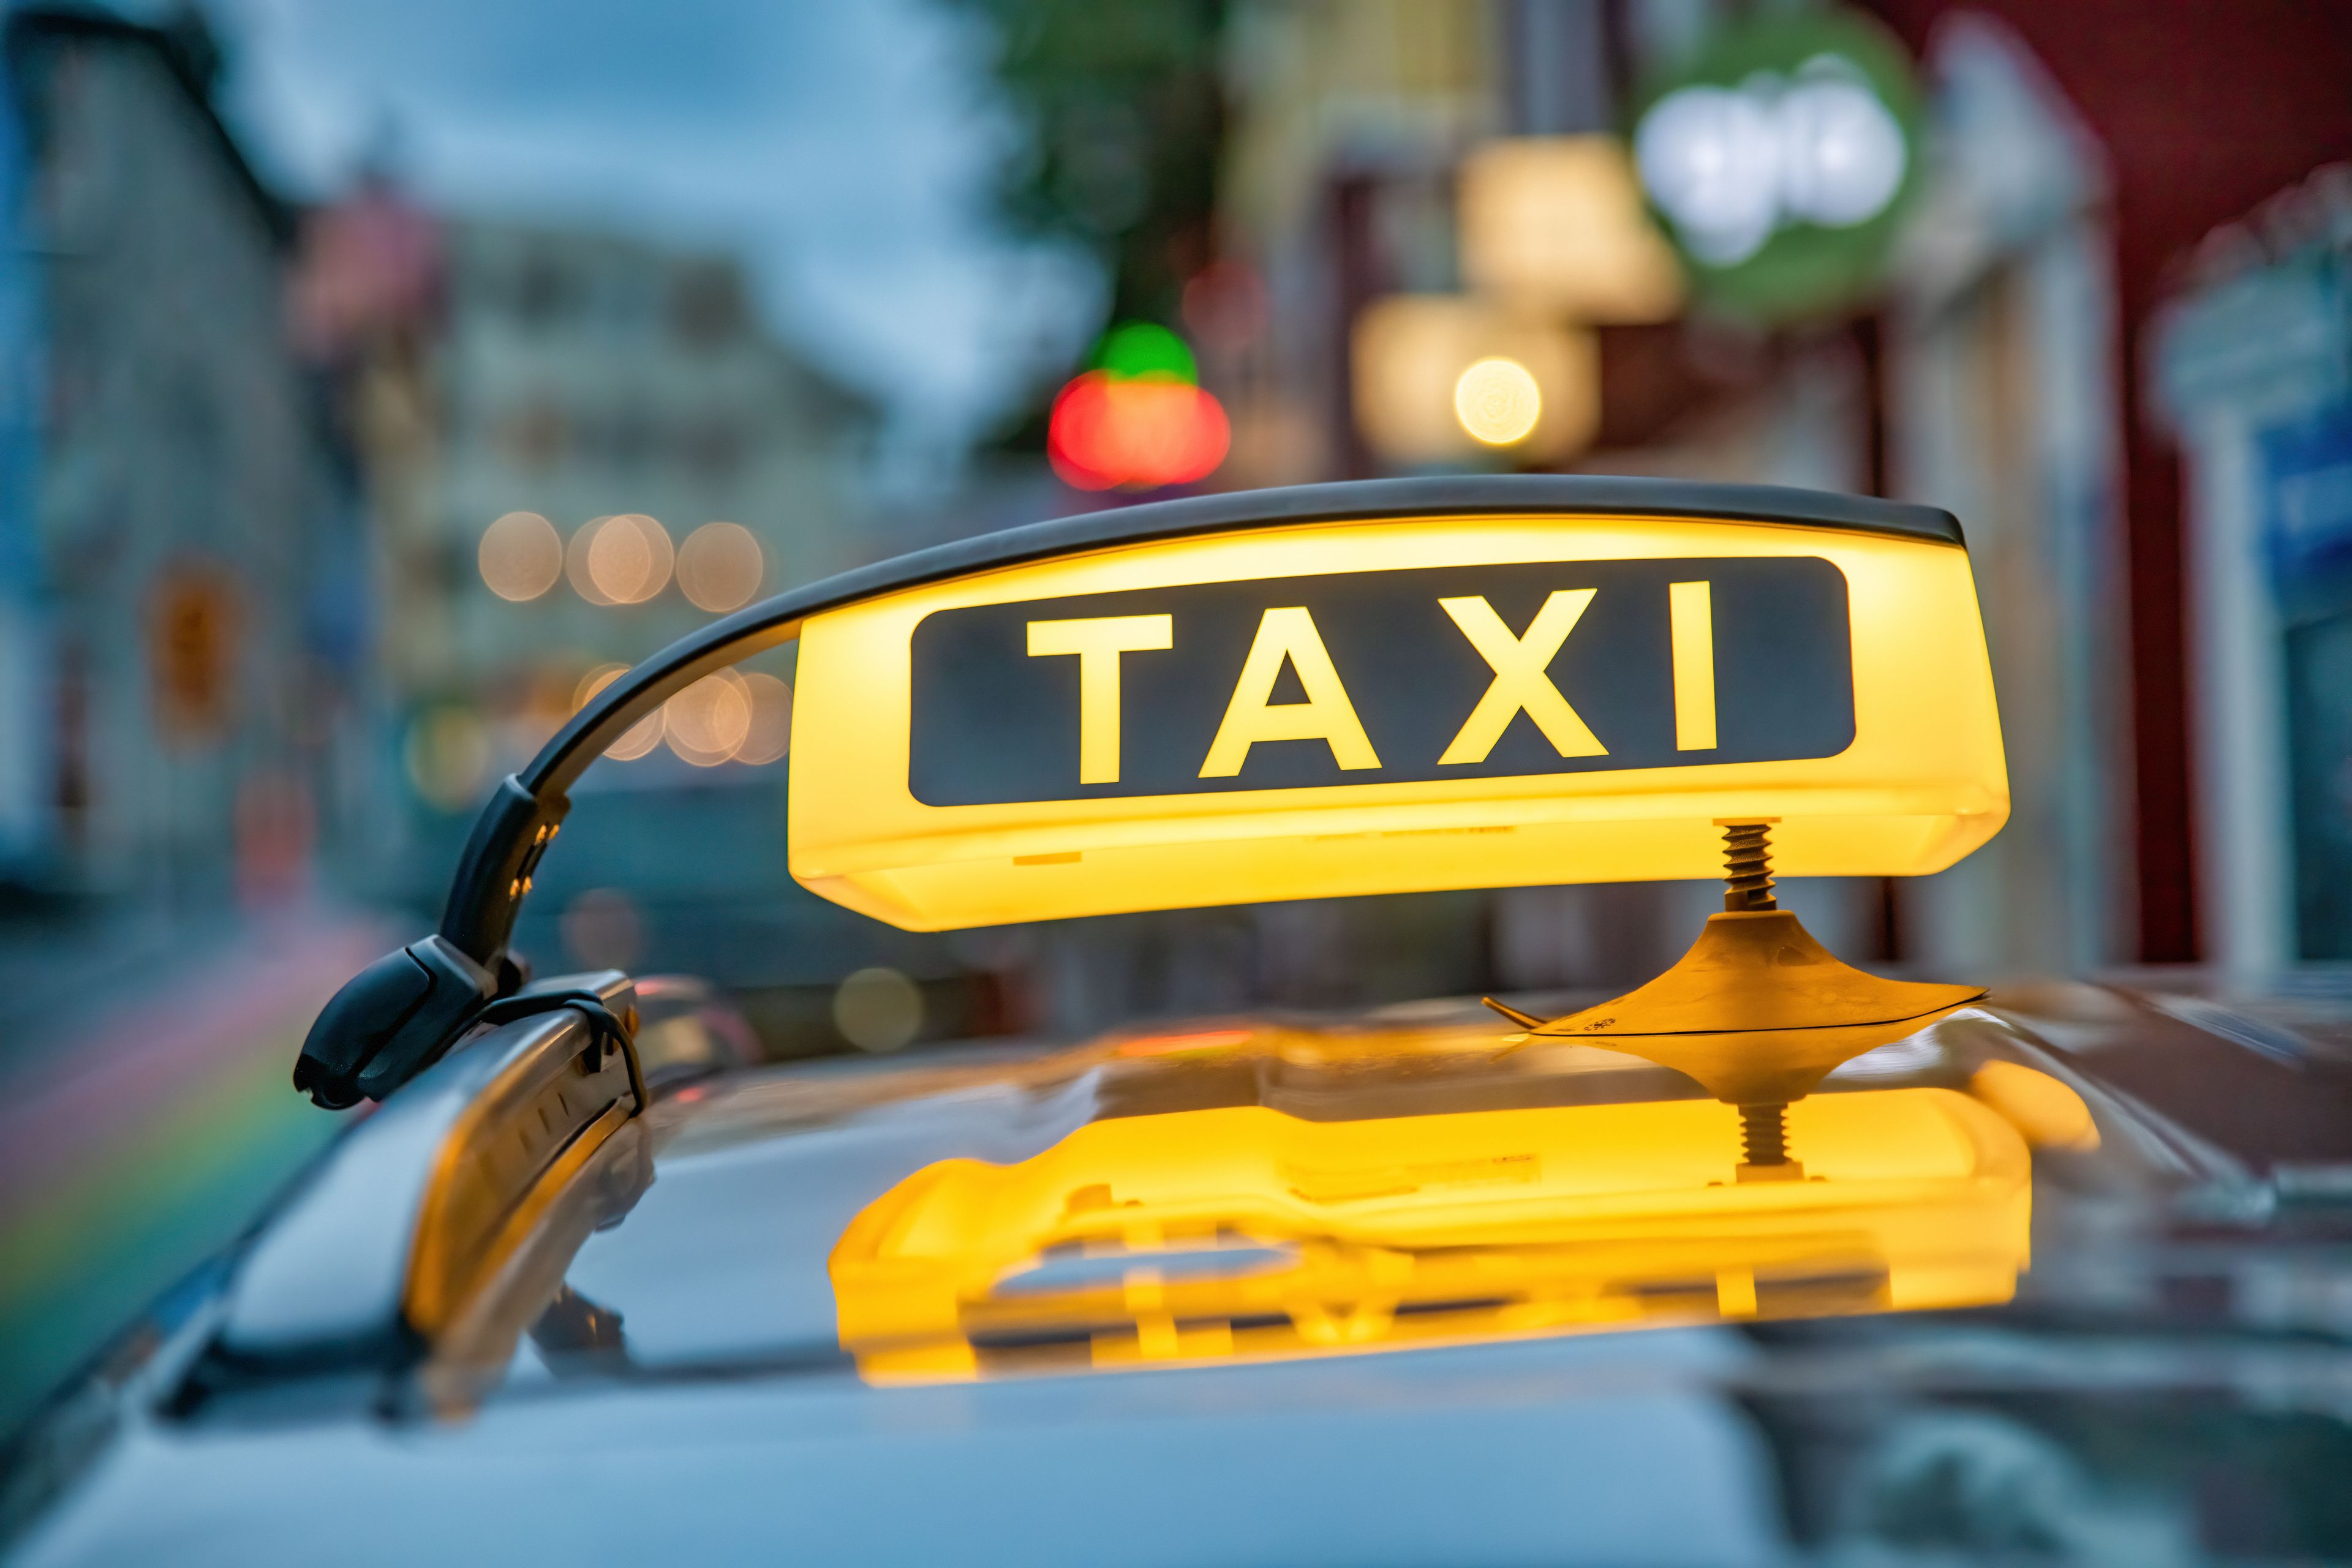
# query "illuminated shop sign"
(1780, 156)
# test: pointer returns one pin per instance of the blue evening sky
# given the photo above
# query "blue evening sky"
(843, 149)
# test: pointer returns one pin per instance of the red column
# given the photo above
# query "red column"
(2203, 111)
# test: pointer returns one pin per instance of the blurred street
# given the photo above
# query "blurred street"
(378, 384)
(144, 1116)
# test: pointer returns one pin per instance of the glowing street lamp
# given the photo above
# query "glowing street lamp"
(1442, 377)
(1497, 402)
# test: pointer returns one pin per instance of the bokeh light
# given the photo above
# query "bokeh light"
(1141, 434)
(1708, 158)
(641, 737)
(620, 560)
(595, 680)
(1844, 152)
(1497, 401)
(1410, 353)
(1732, 165)
(1136, 419)
(447, 755)
(878, 1009)
(709, 720)
(630, 558)
(1133, 349)
(770, 735)
(521, 555)
(575, 561)
(720, 566)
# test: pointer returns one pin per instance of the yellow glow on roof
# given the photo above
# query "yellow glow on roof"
(1212, 1235)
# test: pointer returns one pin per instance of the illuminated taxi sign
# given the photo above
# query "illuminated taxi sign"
(1496, 671)
(1419, 702)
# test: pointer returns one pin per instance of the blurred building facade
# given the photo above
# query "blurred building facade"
(557, 379)
(578, 445)
(181, 637)
(1992, 363)
(258, 631)
(2255, 359)
(2198, 115)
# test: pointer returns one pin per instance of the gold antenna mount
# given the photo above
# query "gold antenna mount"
(1757, 1012)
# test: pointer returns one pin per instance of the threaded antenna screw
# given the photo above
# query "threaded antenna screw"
(1764, 1134)
(1748, 867)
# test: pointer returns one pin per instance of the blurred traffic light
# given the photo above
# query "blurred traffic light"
(1137, 420)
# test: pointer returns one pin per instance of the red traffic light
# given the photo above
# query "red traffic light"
(1139, 432)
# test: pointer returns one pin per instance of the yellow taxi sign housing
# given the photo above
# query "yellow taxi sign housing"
(1527, 692)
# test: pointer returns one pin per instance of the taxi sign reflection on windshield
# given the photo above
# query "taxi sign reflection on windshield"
(1431, 702)
(1245, 1232)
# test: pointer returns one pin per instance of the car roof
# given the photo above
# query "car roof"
(695, 1343)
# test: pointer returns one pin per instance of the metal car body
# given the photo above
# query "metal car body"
(2148, 1368)
(2055, 1273)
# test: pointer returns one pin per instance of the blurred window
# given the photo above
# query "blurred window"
(2319, 695)
(707, 305)
(713, 447)
(630, 438)
(632, 303)
(543, 293)
(531, 437)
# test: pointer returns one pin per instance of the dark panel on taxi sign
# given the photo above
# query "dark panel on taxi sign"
(1382, 676)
